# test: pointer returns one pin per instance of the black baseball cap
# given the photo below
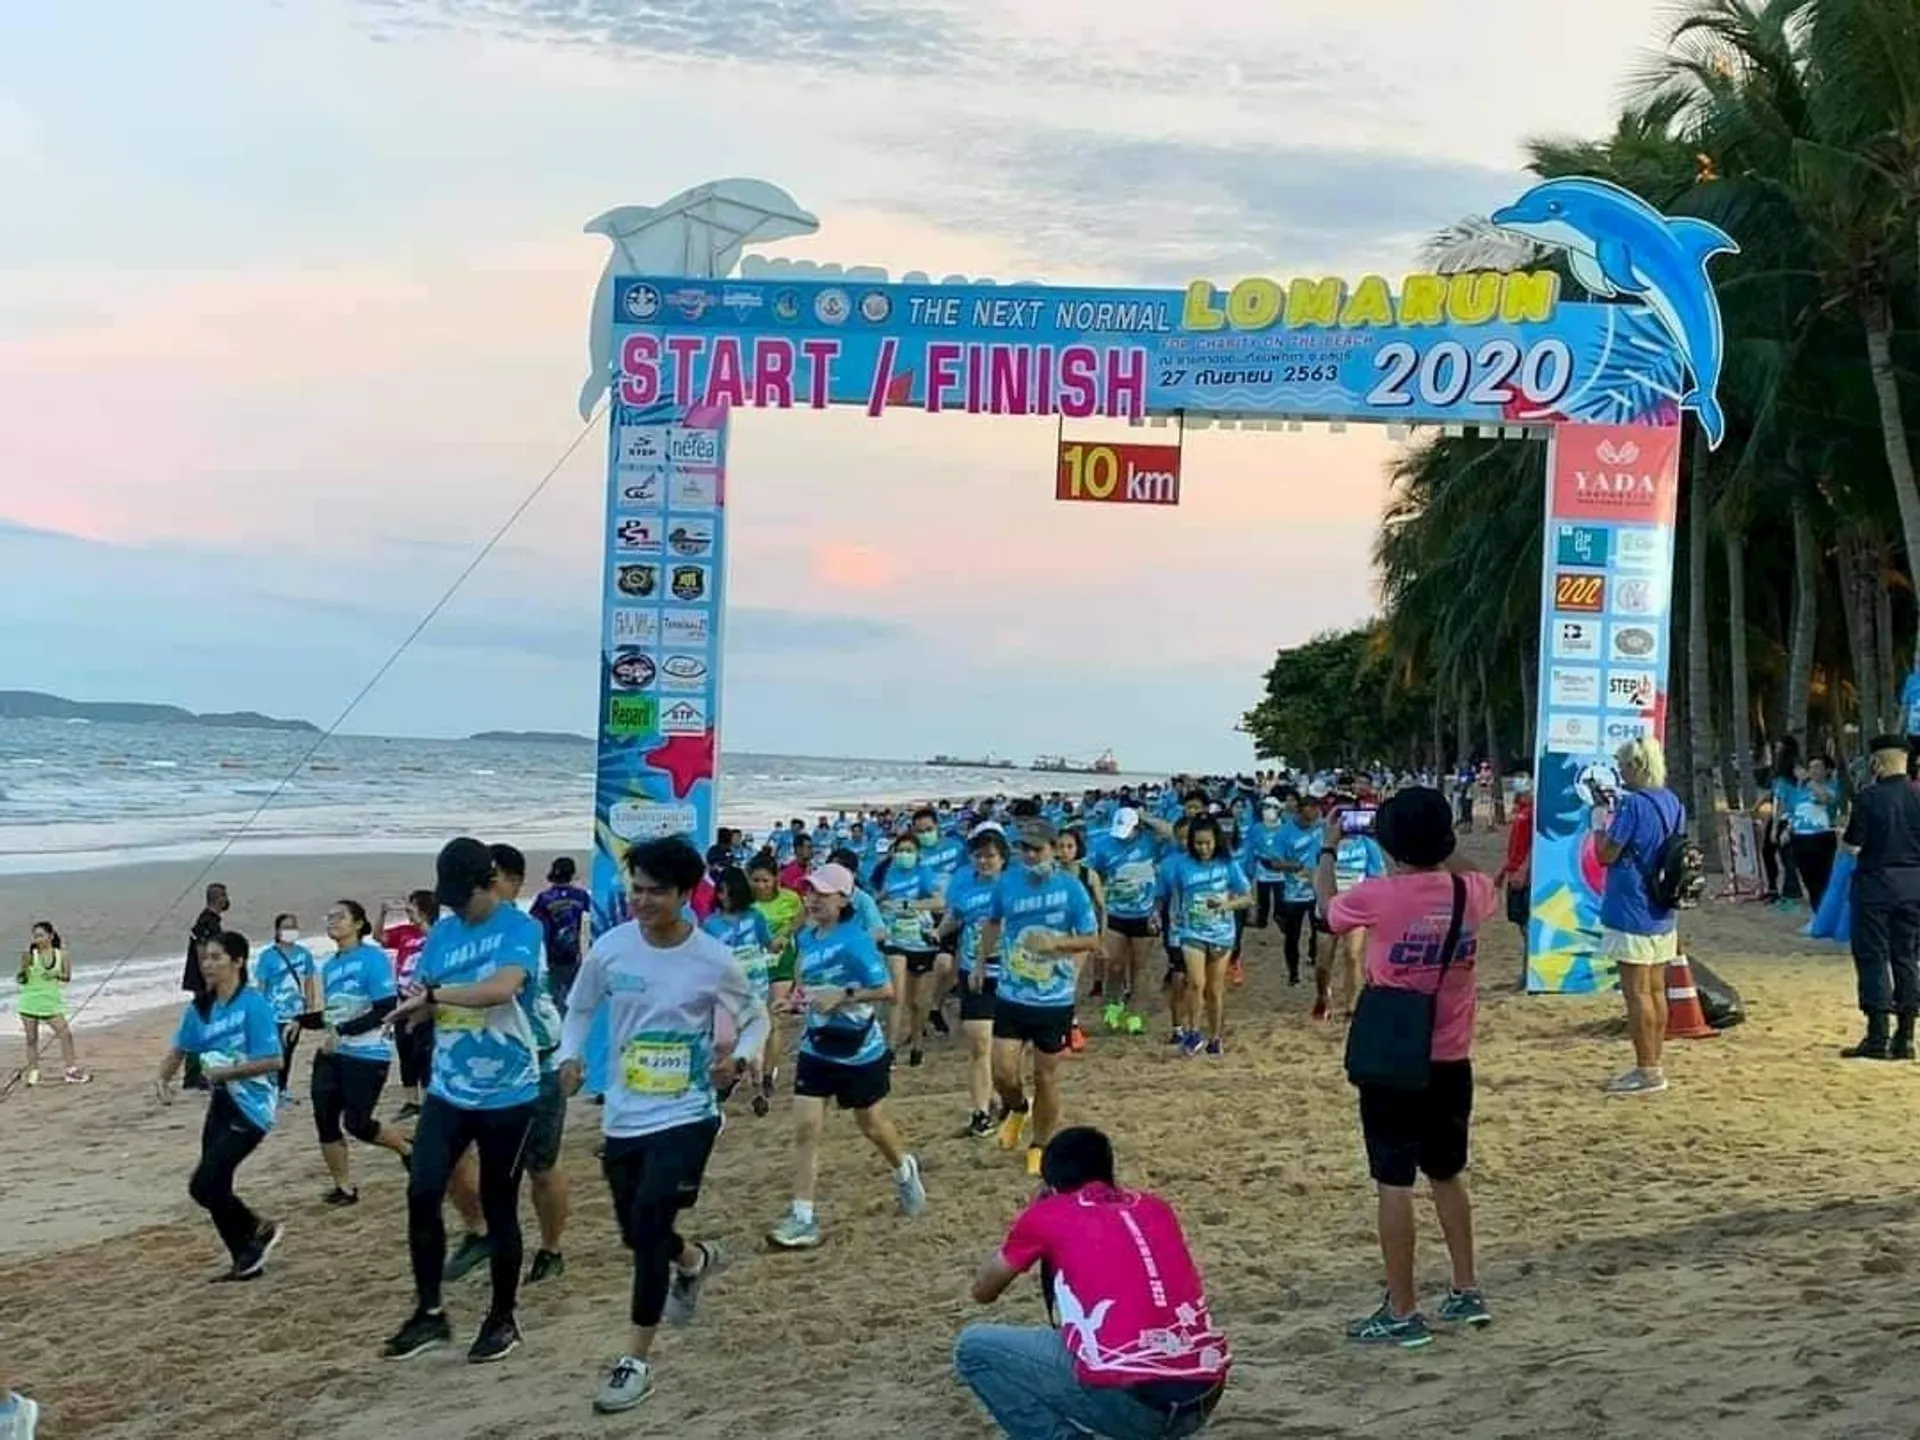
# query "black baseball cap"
(464, 866)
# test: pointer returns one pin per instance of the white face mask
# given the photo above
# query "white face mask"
(289, 936)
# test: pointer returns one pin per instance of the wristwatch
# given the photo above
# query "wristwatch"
(1333, 850)
(849, 992)
(433, 994)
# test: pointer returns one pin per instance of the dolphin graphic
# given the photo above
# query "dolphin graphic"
(1618, 244)
(698, 233)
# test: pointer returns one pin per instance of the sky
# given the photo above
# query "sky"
(293, 315)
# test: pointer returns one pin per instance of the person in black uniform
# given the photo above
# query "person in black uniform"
(208, 927)
(1884, 833)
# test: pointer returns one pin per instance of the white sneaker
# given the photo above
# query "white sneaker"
(908, 1188)
(1638, 1082)
(33, 1077)
(630, 1382)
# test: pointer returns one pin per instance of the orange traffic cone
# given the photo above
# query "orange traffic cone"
(1685, 1019)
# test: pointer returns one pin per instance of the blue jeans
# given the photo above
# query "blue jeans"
(1024, 1376)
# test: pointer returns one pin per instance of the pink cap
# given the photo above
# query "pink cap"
(831, 880)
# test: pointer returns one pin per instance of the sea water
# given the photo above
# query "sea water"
(80, 796)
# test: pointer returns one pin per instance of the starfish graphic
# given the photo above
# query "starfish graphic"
(687, 758)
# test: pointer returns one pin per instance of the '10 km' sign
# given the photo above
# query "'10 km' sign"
(1118, 474)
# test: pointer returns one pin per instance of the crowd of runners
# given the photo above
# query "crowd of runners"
(820, 956)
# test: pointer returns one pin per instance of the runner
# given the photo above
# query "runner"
(736, 924)
(785, 914)
(1127, 858)
(414, 1040)
(969, 898)
(552, 1191)
(1044, 918)
(908, 896)
(565, 913)
(1299, 857)
(663, 984)
(1205, 889)
(1174, 982)
(229, 1026)
(477, 975)
(357, 992)
(1264, 857)
(287, 975)
(1072, 848)
(1357, 858)
(45, 972)
(843, 1054)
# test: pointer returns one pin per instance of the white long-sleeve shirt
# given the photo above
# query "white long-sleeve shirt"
(661, 1007)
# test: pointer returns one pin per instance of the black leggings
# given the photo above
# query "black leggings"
(226, 1139)
(1813, 858)
(442, 1137)
(1268, 902)
(415, 1046)
(346, 1089)
(289, 1042)
(653, 1178)
(1293, 919)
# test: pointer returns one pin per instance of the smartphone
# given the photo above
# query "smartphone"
(1357, 821)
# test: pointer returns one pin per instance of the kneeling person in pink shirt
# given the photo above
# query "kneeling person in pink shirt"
(1132, 1353)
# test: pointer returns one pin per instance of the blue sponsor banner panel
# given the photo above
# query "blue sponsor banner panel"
(1604, 626)
(1479, 348)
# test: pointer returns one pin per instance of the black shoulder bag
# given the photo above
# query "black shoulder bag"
(1390, 1041)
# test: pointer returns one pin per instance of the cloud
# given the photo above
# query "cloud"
(834, 33)
(1162, 211)
(840, 566)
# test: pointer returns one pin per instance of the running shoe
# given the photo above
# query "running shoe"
(1383, 1327)
(408, 1111)
(1216, 1047)
(339, 1199)
(547, 1265)
(1136, 1024)
(33, 1078)
(253, 1259)
(499, 1337)
(683, 1290)
(1465, 1307)
(916, 1057)
(979, 1127)
(474, 1251)
(793, 1233)
(1013, 1130)
(1034, 1153)
(908, 1189)
(421, 1333)
(630, 1382)
(1114, 1016)
(1190, 1043)
(76, 1076)
(938, 1022)
(1097, 990)
(1638, 1082)
(20, 1419)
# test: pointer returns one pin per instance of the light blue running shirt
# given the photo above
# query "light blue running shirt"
(844, 957)
(484, 1059)
(234, 1032)
(1028, 904)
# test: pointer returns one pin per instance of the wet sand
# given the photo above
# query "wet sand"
(1729, 1259)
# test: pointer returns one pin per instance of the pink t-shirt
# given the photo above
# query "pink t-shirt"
(1406, 918)
(1126, 1293)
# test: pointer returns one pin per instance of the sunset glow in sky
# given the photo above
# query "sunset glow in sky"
(293, 305)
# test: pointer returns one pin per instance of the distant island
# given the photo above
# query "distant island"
(33, 705)
(532, 737)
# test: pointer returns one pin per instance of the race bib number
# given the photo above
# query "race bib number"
(1040, 969)
(460, 1018)
(660, 1068)
(906, 929)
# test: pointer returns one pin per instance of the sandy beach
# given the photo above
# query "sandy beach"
(1730, 1258)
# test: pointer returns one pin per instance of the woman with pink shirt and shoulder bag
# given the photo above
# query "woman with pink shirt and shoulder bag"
(1410, 1047)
